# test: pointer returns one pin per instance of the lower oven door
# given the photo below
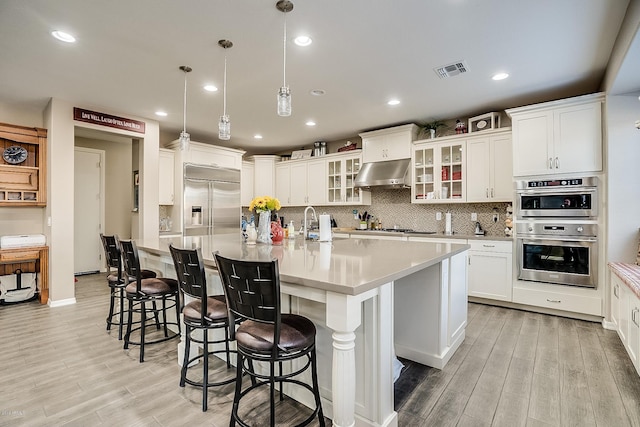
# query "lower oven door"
(570, 261)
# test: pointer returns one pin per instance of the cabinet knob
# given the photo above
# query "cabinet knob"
(557, 163)
(550, 163)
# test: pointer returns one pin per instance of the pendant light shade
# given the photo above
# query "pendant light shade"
(185, 138)
(224, 125)
(284, 94)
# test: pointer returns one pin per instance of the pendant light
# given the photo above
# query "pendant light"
(185, 138)
(224, 125)
(284, 94)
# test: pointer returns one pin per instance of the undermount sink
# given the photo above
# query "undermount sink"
(421, 232)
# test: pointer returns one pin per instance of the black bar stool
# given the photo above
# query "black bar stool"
(141, 292)
(204, 313)
(117, 281)
(265, 334)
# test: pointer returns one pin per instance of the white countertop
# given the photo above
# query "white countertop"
(348, 266)
(356, 232)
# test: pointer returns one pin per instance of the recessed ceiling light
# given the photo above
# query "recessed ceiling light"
(257, 136)
(161, 114)
(500, 76)
(310, 123)
(317, 92)
(210, 88)
(393, 102)
(303, 40)
(64, 37)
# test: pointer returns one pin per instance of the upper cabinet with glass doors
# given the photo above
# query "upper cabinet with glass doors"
(341, 174)
(439, 172)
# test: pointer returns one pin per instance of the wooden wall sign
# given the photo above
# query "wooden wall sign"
(103, 119)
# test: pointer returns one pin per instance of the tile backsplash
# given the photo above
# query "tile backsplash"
(394, 207)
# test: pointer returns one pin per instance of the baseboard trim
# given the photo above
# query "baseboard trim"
(543, 310)
(62, 302)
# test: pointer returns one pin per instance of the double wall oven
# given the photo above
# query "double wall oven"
(557, 231)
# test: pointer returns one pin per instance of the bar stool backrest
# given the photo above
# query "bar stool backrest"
(252, 289)
(190, 274)
(131, 261)
(112, 251)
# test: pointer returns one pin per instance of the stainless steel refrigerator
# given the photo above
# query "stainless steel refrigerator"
(211, 200)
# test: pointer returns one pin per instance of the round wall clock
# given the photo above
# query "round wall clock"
(14, 154)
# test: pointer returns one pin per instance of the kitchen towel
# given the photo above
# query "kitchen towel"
(325, 227)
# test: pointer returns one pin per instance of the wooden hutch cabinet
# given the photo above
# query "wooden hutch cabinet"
(23, 170)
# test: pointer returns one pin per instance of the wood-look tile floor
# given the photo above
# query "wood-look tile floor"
(518, 368)
(60, 367)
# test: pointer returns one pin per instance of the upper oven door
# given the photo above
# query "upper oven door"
(557, 202)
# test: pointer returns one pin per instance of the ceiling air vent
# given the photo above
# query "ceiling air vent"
(451, 69)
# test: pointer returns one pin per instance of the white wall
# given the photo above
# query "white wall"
(623, 178)
(59, 121)
(15, 115)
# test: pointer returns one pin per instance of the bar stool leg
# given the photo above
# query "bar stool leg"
(127, 336)
(143, 322)
(111, 303)
(205, 374)
(122, 297)
(185, 360)
(316, 387)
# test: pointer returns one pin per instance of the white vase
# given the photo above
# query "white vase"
(264, 227)
(252, 234)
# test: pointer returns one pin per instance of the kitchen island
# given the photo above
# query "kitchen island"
(369, 299)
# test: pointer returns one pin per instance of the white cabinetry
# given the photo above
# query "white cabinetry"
(567, 298)
(283, 183)
(625, 313)
(558, 137)
(166, 181)
(246, 183)
(614, 298)
(439, 171)
(301, 182)
(341, 171)
(210, 155)
(264, 179)
(489, 168)
(490, 269)
(388, 144)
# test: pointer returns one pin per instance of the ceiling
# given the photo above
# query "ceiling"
(127, 56)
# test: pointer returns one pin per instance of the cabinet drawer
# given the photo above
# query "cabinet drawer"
(19, 256)
(14, 178)
(558, 301)
(491, 246)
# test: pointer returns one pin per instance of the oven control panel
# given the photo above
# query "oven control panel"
(585, 182)
(556, 229)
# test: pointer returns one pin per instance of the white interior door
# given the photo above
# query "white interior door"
(88, 209)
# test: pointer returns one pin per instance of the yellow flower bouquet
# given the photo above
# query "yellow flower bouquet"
(264, 204)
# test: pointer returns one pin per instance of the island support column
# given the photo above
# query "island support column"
(343, 316)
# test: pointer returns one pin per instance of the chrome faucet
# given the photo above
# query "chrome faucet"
(305, 232)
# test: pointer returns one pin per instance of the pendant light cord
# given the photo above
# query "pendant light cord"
(224, 95)
(284, 56)
(184, 109)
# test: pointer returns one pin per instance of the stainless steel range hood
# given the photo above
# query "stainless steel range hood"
(388, 174)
